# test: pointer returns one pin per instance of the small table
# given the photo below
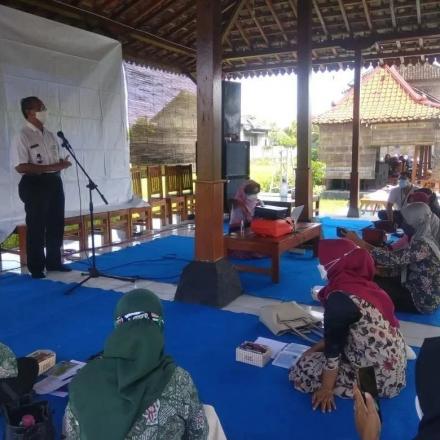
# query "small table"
(274, 247)
(287, 201)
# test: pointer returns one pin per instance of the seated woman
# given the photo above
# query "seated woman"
(360, 330)
(418, 287)
(243, 205)
(135, 391)
(17, 376)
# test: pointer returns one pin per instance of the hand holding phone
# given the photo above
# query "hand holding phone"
(367, 384)
(341, 232)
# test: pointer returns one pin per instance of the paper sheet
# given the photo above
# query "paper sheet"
(274, 345)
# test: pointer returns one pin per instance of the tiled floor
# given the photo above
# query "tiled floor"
(413, 333)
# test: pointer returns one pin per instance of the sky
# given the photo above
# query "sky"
(273, 99)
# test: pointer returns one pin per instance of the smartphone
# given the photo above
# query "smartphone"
(367, 384)
(341, 232)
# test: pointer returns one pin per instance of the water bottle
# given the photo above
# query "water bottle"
(284, 188)
(242, 227)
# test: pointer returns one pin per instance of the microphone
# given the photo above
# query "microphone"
(60, 134)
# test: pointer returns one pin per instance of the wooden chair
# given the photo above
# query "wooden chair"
(155, 194)
(140, 217)
(119, 220)
(136, 181)
(185, 174)
(75, 230)
(176, 202)
(101, 227)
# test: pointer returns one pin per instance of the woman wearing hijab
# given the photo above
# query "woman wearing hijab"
(417, 290)
(243, 205)
(17, 376)
(360, 330)
(135, 391)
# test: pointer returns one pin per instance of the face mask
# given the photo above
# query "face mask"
(323, 271)
(41, 116)
(252, 196)
(403, 183)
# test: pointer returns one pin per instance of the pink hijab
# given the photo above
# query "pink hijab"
(243, 206)
(351, 269)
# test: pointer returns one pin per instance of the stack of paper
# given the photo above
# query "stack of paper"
(58, 377)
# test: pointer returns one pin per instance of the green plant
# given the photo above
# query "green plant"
(318, 172)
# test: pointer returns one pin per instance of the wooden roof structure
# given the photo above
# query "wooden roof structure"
(385, 97)
(258, 36)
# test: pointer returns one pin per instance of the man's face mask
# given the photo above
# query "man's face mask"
(41, 116)
(403, 183)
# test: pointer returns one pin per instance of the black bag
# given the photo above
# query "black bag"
(271, 212)
(43, 429)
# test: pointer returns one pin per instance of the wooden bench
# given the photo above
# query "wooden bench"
(122, 219)
(274, 247)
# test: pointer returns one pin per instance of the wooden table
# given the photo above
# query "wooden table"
(274, 247)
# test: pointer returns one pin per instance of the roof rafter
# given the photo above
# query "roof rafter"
(257, 23)
(367, 14)
(125, 8)
(122, 29)
(293, 7)
(344, 15)
(157, 7)
(235, 13)
(419, 13)
(277, 20)
(320, 17)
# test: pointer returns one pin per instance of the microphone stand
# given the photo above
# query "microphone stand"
(93, 271)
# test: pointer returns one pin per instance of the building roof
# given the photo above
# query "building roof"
(420, 71)
(385, 97)
(259, 36)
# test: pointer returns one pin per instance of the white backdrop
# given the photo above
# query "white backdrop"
(79, 77)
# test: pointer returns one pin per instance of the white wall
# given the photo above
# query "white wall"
(79, 77)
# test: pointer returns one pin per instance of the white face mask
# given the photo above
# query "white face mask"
(323, 271)
(41, 116)
(403, 183)
(252, 196)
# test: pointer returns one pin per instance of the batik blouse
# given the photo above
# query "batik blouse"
(8, 362)
(423, 274)
(177, 414)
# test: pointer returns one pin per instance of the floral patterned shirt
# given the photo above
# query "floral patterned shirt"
(423, 277)
(8, 362)
(177, 414)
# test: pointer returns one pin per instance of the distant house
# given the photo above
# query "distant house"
(256, 133)
(395, 118)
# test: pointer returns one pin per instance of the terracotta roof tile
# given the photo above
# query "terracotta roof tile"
(385, 97)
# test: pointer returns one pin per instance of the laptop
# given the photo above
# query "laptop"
(296, 212)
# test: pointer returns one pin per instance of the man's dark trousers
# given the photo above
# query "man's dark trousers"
(43, 198)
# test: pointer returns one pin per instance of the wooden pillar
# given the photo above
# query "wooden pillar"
(303, 181)
(211, 279)
(425, 161)
(353, 210)
(209, 186)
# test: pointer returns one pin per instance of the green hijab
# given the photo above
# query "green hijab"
(109, 394)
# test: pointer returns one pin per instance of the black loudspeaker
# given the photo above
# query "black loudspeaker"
(235, 153)
(231, 109)
(236, 164)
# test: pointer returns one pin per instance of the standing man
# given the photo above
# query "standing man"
(398, 198)
(41, 189)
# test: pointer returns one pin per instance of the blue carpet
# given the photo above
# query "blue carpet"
(253, 403)
(164, 259)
